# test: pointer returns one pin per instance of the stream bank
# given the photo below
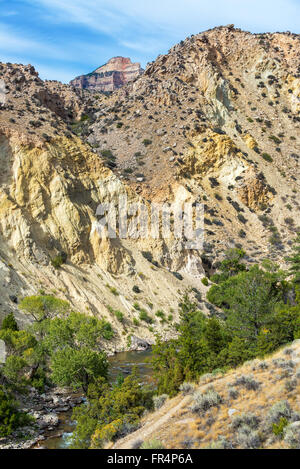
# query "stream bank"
(120, 363)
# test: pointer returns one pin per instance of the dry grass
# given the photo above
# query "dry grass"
(200, 430)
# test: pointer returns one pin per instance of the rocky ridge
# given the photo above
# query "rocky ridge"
(109, 77)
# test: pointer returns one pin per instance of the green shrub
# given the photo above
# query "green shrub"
(160, 314)
(267, 157)
(247, 381)
(107, 154)
(112, 411)
(9, 323)
(205, 281)
(177, 275)
(57, 261)
(152, 444)
(245, 419)
(275, 139)
(145, 317)
(241, 218)
(248, 438)
(119, 315)
(203, 402)
(106, 329)
(292, 435)
(278, 428)
(280, 410)
(221, 443)
(232, 393)
(113, 290)
(187, 388)
(10, 417)
(159, 401)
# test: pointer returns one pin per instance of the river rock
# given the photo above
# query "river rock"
(62, 409)
(76, 400)
(48, 420)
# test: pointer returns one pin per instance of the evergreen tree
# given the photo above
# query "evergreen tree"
(252, 298)
(111, 411)
(9, 323)
(231, 265)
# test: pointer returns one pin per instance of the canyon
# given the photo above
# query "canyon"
(214, 121)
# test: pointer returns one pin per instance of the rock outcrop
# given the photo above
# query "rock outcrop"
(109, 77)
(215, 121)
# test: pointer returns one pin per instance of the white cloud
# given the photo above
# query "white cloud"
(138, 28)
(144, 46)
(11, 42)
(174, 16)
(15, 43)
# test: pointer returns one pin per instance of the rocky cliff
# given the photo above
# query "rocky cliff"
(217, 118)
(216, 121)
(109, 77)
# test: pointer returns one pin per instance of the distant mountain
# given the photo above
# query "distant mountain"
(113, 75)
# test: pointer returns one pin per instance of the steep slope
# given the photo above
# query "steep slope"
(50, 186)
(216, 121)
(218, 117)
(109, 77)
(251, 399)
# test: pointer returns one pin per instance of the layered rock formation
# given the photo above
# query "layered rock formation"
(109, 77)
(215, 121)
(218, 118)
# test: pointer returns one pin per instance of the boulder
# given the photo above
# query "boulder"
(2, 351)
(48, 420)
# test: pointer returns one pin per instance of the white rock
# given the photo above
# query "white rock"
(48, 420)
(231, 412)
(2, 351)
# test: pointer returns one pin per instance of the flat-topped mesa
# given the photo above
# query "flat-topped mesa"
(113, 75)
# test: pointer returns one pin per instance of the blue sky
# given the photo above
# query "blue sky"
(66, 38)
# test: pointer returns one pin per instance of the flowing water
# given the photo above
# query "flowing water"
(121, 363)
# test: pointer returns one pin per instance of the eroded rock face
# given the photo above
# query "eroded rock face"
(138, 344)
(116, 73)
(213, 122)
